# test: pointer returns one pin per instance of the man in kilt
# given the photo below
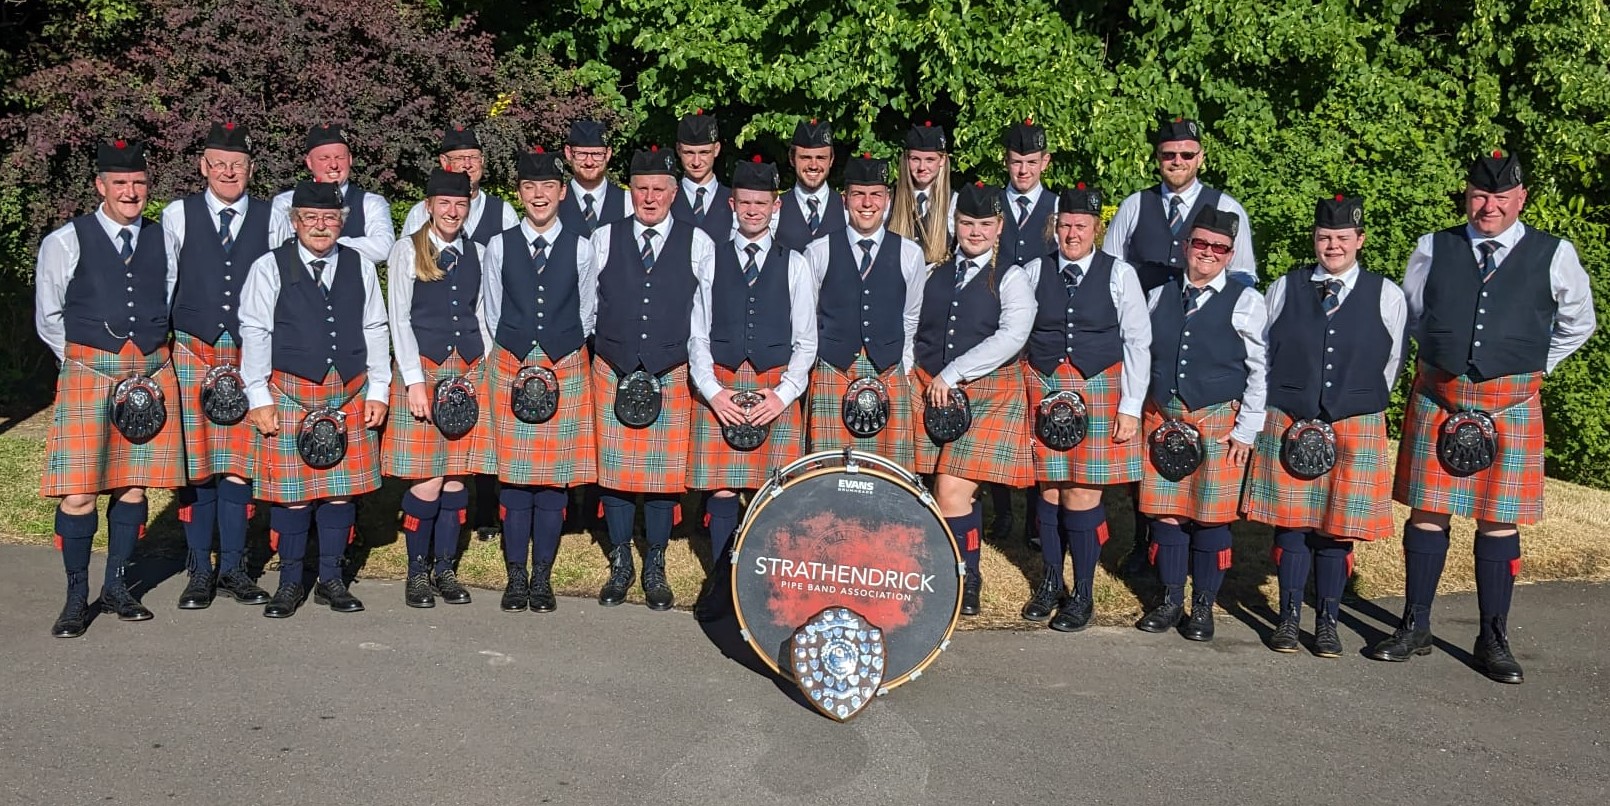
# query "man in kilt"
(701, 199)
(540, 285)
(368, 220)
(869, 294)
(436, 427)
(1092, 337)
(317, 368)
(1494, 305)
(593, 200)
(650, 268)
(1205, 407)
(975, 318)
(460, 152)
(213, 237)
(102, 288)
(1335, 342)
(810, 210)
(750, 355)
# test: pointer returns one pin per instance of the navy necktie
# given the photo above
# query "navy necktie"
(447, 259)
(648, 250)
(318, 274)
(1330, 295)
(1489, 263)
(1176, 213)
(751, 268)
(1022, 211)
(1071, 276)
(127, 251)
(225, 217)
(539, 253)
(1192, 297)
(588, 213)
(698, 206)
(815, 220)
(866, 245)
(962, 269)
(922, 204)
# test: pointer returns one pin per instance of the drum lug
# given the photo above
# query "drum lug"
(944, 645)
(850, 464)
(961, 569)
(744, 634)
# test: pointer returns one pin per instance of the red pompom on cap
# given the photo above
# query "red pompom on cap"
(120, 144)
(1080, 186)
(1028, 121)
(928, 124)
(866, 155)
(755, 159)
(538, 150)
(655, 148)
(230, 126)
(699, 111)
(1498, 155)
(979, 183)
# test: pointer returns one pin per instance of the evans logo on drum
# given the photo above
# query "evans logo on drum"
(857, 486)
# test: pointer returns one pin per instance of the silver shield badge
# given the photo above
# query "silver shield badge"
(837, 658)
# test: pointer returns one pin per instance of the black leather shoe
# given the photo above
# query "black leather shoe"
(1199, 627)
(1492, 653)
(1162, 618)
(116, 598)
(1044, 599)
(74, 618)
(517, 591)
(285, 601)
(656, 589)
(198, 593)
(1074, 614)
(1138, 562)
(1408, 640)
(621, 571)
(542, 598)
(335, 594)
(417, 591)
(449, 588)
(1327, 643)
(238, 585)
(1288, 634)
(971, 587)
(715, 596)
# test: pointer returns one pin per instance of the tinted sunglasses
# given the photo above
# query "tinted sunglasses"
(1205, 245)
(1185, 156)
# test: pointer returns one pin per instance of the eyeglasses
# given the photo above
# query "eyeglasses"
(228, 167)
(319, 218)
(464, 159)
(1183, 156)
(589, 156)
(1205, 245)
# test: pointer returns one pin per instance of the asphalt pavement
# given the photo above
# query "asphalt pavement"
(588, 705)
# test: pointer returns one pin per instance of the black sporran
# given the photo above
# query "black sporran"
(1062, 420)
(1467, 443)
(866, 407)
(946, 424)
(454, 407)
(138, 409)
(223, 395)
(1177, 449)
(535, 397)
(746, 436)
(1308, 449)
(321, 440)
(638, 399)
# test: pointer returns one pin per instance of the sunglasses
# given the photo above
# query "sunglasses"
(1184, 156)
(1205, 245)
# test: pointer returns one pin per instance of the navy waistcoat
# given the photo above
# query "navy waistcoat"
(952, 321)
(108, 303)
(1335, 367)
(854, 315)
(751, 323)
(1492, 330)
(206, 299)
(1204, 362)
(314, 332)
(540, 309)
(1081, 329)
(1157, 255)
(644, 318)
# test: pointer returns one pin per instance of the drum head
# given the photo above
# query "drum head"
(865, 540)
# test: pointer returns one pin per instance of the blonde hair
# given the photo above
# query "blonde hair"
(903, 218)
(1096, 237)
(425, 255)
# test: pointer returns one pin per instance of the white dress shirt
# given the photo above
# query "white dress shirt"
(597, 194)
(1394, 313)
(261, 295)
(418, 215)
(375, 242)
(173, 223)
(913, 266)
(1250, 320)
(1134, 324)
(54, 270)
(802, 197)
(1012, 207)
(1574, 319)
(586, 269)
(1243, 263)
(400, 281)
(1018, 307)
(802, 325)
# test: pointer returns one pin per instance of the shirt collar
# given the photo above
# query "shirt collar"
(1033, 196)
(1216, 284)
(112, 227)
(978, 262)
(1348, 277)
(598, 193)
(692, 187)
(530, 232)
(308, 257)
(1188, 195)
(764, 242)
(457, 243)
(820, 194)
(1508, 238)
(660, 230)
(217, 205)
(855, 237)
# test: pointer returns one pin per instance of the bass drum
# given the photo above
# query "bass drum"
(847, 529)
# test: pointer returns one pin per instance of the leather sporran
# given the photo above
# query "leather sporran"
(1062, 420)
(638, 399)
(1308, 449)
(138, 409)
(865, 409)
(321, 440)
(454, 406)
(535, 396)
(1467, 443)
(1177, 449)
(223, 395)
(946, 424)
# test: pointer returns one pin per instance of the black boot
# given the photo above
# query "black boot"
(117, 598)
(621, 571)
(1412, 637)
(198, 593)
(238, 585)
(972, 586)
(286, 600)
(716, 595)
(1044, 599)
(1165, 616)
(542, 598)
(1200, 625)
(655, 587)
(1288, 635)
(1075, 612)
(74, 618)
(1492, 652)
(417, 591)
(449, 588)
(517, 592)
(335, 594)
(1327, 643)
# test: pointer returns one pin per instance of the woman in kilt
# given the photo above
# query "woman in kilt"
(1335, 341)
(750, 354)
(541, 285)
(1092, 338)
(435, 430)
(974, 321)
(1204, 409)
(316, 399)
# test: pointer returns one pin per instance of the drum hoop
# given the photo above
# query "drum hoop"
(761, 501)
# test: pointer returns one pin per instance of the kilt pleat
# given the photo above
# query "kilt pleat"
(826, 427)
(416, 449)
(1350, 501)
(715, 465)
(210, 449)
(1213, 493)
(1511, 491)
(1097, 461)
(85, 454)
(995, 448)
(279, 474)
(561, 452)
(643, 460)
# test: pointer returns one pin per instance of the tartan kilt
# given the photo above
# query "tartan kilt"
(1511, 491)
(1097, 461)
(643, 460)
(995, 448)
(715, 465)
(561, 452)
(1212, 494)
(278, 472)
(415, 449)
(827, 431)
(210, 449)
(85, 454)
(1348, 502)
